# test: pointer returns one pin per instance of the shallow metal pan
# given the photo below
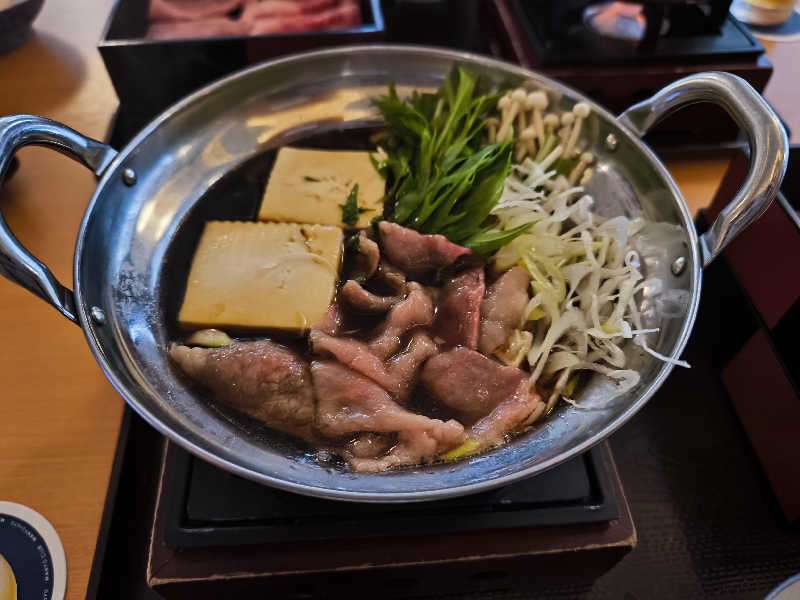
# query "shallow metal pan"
(137, 234)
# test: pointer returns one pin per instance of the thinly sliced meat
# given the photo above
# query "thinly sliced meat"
(397, 376)
(202, 28)
(331, 323)
(369, 255)
(404, 367)
(505, 418)
(339, 17)
(471, 383)
(185, 10)
(267, 381)
(459, 308)
(416, 254)
(181, 19)
(358, 298)
(370, 445)
(281, 8)
(348, 402)
(391, 277)
(412, 448)
(354, 354)
(503, 309)
(414, 310)
(494, 397)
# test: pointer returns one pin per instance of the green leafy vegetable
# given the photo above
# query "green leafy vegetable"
(381, 166)
(350, 210)
(309, 178)
(486, 242)
(440, 176)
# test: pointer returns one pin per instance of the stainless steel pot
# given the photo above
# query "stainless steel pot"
(128, 255)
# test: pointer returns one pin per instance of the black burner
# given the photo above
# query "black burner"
(210, 507)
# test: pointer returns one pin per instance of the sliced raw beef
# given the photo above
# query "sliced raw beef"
(495, 398)
(368, 257)
(413, 448)
(397, 375)
(188, 10)
(354, 354)
(414, 310)
(405, 366)
(348, 402)
(356, 297)
(264, 9)
(503, 309)
(339, 17)
(267, 381)
(416, 254)
(331, 323)
(202, 28)
(471, 383)
(507, 417)
(458, 309)
(370, 445)
(181, 19)
(391, 277)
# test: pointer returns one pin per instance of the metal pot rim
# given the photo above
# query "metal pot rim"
(85, 318)
(629, 127)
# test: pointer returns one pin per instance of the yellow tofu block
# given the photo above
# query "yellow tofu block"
(255, 276)
(309, 186)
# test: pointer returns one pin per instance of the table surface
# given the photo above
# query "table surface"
(60, 417)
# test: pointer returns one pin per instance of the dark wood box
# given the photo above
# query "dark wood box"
(762, 369)
(618, 85)
(400, 566)
(150, 75)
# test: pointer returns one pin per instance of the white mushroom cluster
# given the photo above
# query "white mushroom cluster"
(542, 136)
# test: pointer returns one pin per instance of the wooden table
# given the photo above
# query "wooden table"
(59, 417)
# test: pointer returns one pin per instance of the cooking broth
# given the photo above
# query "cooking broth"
(430, 389)
(236, 196)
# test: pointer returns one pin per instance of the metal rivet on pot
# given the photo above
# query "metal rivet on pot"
(611, 142)
(98, 315)
(678, 265)
(129, 176)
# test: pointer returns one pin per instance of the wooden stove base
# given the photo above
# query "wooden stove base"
(391, 567)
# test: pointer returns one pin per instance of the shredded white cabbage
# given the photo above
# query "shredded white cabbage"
(516, 348)
(584, 280)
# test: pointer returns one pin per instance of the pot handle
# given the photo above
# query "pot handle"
(769, 148)
(16, 262)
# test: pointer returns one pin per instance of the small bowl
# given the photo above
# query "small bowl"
(15, 23)
(788, 590)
